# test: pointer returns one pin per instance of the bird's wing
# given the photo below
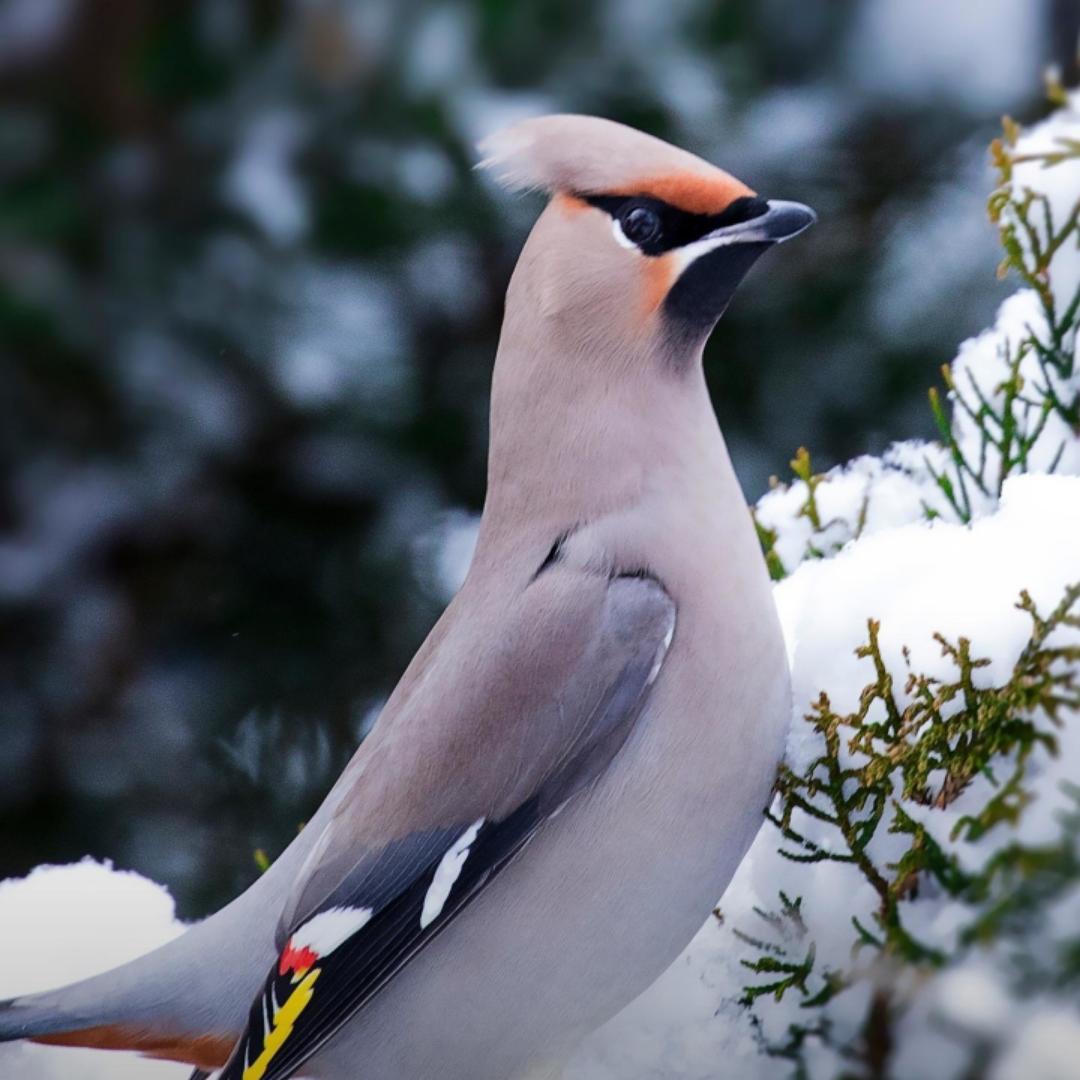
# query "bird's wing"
(507, 722)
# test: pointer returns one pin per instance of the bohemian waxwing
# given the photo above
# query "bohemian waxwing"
(576, 760)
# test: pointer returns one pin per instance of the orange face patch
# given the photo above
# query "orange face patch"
(660, 273)
(204, 1051)
(570, 204)
(697, 193)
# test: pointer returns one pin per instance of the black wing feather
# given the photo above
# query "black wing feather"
(354, 972)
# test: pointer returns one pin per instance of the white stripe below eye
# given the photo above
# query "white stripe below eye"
(446, 873)
(689, 253)
(620, 237)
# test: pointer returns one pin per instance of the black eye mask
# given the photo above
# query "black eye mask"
(655, 226)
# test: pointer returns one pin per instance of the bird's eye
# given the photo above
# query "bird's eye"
(640, 225)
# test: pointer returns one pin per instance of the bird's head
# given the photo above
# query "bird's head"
(642, 243)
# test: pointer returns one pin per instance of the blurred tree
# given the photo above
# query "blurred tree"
(249, 295)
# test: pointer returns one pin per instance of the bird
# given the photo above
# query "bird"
(576, 760)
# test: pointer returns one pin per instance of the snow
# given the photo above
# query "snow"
(915, 579)
(863, 497)
(1059, 185)
(330, 309)
(63, 923)
(424, 172)
(982, 363)
(444, 552)
(972, 997)
(951, 223)
(440, 51)
(1047, 1046)
(870, 494)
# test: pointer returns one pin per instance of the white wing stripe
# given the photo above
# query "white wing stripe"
(446, 873)
(327, 930)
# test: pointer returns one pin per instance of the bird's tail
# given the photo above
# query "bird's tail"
(185, 1001)
(47, 1019)
(32, 1017)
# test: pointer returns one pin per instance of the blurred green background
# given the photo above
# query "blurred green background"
(250, 289)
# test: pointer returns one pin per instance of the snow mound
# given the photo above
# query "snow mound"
(63, 923)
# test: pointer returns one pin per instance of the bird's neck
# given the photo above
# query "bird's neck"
(576, 434)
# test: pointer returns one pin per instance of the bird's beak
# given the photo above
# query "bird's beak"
(781, 221)
(711, 267)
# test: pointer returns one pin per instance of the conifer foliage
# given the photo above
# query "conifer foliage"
(952, 791)
(912, 908)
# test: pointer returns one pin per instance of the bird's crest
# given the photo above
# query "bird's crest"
(586, 155)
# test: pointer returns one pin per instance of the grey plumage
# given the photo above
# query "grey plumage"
(573, 765)
(527, 722)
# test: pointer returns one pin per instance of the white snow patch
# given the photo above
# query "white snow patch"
(973, 997)
(863, 497)
(1047, 1048)
(1059, 185)
(63, 923)
(954, 579)
(444, 552)
(981, 368)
